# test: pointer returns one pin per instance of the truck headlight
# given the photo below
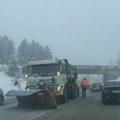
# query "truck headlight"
(27, 88)
(26, 75)
(58, 73)
(58, 88)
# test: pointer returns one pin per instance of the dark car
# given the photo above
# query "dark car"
(111, 92)
(1, 97)
(96, 87)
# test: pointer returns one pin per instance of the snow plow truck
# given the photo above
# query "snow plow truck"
(43, 76)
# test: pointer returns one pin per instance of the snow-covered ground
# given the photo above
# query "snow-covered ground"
(6, 83)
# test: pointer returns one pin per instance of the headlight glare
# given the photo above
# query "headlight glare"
(58, 88)
(58, 73)
(26, 75)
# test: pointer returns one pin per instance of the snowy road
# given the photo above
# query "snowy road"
(11, 111)
(90, 108)
(77, 109)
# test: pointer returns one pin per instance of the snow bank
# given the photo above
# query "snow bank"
(6, 83)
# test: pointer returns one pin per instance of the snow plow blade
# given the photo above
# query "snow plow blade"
(34, 97)
(29, 97)
(22, 92)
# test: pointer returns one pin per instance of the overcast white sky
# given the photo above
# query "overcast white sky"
(84, 31)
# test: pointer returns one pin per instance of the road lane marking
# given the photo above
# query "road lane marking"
(39, 115)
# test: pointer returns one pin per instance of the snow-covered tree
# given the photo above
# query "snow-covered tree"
(7, 50)
(47, 54)
(32, 51)
(23, 52)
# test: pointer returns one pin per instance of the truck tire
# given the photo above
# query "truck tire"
(1, 99)
(77, 92)
(65, 96)
(73, 92)
(59, 101)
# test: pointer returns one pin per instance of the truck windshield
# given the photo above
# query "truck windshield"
(44, 70)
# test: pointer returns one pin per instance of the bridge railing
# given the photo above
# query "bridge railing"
(96, 67)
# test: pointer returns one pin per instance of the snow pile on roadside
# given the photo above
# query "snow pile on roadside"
(6, 83)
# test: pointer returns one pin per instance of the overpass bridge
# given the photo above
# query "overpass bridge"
(108, 72)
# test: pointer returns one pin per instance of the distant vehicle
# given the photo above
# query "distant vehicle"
(95, 87)
(1, 96)
(111, 92)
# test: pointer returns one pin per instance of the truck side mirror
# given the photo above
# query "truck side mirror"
(75, 75)
(25, 69)
(63, 71)
(53, 80)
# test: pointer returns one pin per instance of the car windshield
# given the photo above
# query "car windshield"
(96, 85)
(113, 84)
(44, 70)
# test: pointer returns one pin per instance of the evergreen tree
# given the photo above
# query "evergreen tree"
(47, 54)
(13, 69)
(23, 52)
(35, 51)
(32, 51)
(7, 50)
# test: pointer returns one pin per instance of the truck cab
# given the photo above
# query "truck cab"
(59, 75)
(47, 78)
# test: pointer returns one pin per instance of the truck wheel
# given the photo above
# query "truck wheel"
(58, 101)
(77, 93)
(1, 100)
(65, 97)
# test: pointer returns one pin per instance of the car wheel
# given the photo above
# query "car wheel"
(104, 101)
(1, 99)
